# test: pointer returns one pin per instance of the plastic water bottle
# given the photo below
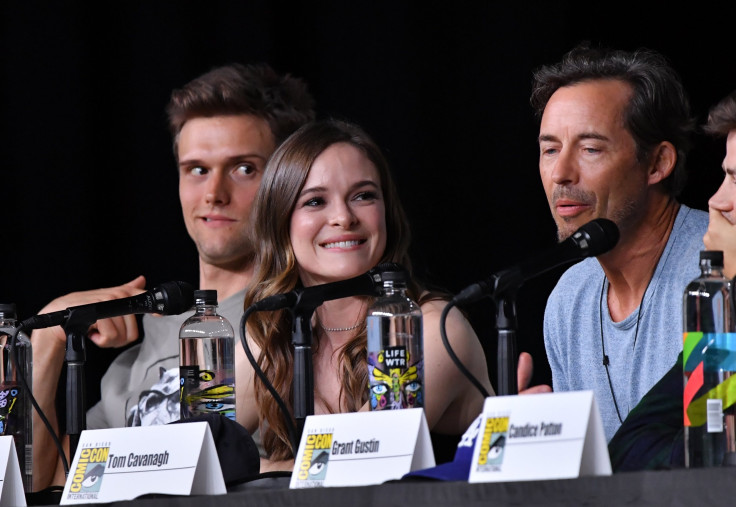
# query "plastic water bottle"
(395, 347)
(709, 360)
(207, 360)
(16, 419)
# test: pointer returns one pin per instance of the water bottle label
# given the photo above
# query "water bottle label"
(708, 361)
(395, 379)
(29, 459)
(205, 391)
(11, 409)
(715, 416)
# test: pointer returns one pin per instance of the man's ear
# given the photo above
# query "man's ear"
(663, 162)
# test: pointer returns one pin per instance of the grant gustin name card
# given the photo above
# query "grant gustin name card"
(361, 448)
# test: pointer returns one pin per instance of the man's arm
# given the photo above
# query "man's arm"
(452, 401)
(49, 347)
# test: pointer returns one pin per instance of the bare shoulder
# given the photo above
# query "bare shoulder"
(432, 313)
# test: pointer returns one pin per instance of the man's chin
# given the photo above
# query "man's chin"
(568, 227)
(564, 231)
(227, 258)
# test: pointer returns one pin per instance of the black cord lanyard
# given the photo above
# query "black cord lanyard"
(606, 361)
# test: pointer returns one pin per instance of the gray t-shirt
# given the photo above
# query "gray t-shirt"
(638, 359)
(141, 386)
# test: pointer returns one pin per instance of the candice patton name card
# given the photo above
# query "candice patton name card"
(361, 448)
(540, 436)
(124, 463)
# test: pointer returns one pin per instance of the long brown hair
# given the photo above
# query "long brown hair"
(276, 270)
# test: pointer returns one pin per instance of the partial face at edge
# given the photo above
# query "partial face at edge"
(724, 200)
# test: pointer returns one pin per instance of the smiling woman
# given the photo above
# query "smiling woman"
(338, 228)
(328, 210)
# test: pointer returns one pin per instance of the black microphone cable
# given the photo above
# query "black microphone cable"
(443, 333)
(290, 423)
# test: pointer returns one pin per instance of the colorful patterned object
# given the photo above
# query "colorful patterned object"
(705, 353)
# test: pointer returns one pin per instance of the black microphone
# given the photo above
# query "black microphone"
(366, 284)
(594, 238)
(170, 298)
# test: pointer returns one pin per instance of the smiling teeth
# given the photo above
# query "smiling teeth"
(342, 244)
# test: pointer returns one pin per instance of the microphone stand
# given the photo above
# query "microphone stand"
(76, 328)
(506, 349)
(303, 383)
(505, 286)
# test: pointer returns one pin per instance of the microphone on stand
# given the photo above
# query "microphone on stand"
(170, 298)
(302, 302)
(592, 239)
(366, 284)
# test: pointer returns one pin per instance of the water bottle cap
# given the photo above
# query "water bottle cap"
(208, 297)
(395, 276)
(714, 256)
(8, 309)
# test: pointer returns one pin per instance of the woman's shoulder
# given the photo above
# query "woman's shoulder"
(431, 303)
(433, 309)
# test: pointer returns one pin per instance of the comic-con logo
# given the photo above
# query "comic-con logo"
(313, 465)
(87, 476)
(493, 443)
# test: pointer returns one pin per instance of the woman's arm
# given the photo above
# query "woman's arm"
(451, 400)
(246, 408)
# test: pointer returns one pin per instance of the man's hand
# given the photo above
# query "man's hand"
(524, 375)
(112, 332)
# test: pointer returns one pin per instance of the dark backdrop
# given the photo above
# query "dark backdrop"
(89, 183)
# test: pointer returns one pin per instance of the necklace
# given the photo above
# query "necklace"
(606, 361)
(335, 329)
(340, 329)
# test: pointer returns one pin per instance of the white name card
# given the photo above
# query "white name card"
(125, 463)
(361, 448)
(11, 489)
(540, 436)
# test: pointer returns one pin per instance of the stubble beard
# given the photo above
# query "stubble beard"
(623, 216)
(565, 226)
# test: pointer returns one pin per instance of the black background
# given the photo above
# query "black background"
(88, 179)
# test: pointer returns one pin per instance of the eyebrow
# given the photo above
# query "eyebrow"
(579, 137)
(359, 184)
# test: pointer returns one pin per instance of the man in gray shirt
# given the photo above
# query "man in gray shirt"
(226, 124)
(613, 138)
